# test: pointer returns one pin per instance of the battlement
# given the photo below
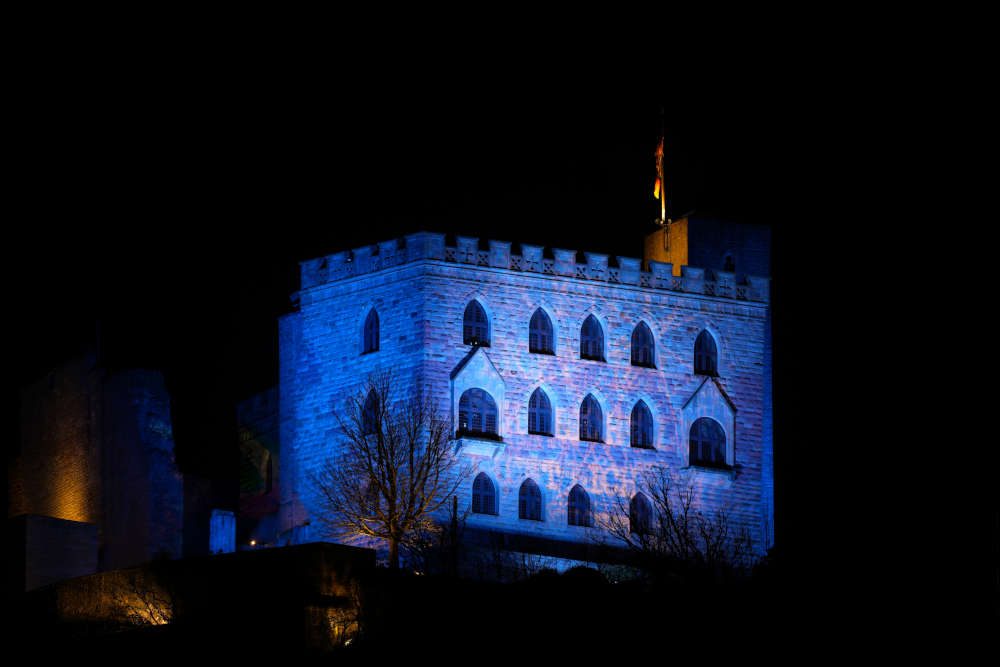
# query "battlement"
(622, 271)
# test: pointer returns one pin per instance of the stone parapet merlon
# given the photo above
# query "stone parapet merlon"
(626, 271)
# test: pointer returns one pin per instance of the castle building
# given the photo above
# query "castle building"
(565, 382)
(93, 484)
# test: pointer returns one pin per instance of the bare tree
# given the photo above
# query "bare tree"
(673, 528)
(395, 467)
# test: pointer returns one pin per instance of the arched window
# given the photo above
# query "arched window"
(642, 426)
(706, 356)
(707, 443)
(539, 413)
(540, 338)
(475, 325)
(578, 513)
(592, 340)
(371, 332)
(639, 512)
(484, 495)
(643, 347)
(529, 501)
(477, 414)
(369, 415)
(591, 420)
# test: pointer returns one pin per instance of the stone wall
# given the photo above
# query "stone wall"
(421, 302)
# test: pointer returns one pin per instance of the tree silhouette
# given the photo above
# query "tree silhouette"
(395, 468)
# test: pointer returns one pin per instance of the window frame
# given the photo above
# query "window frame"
(477, 407)
(601, 342)
(590, 398)
(469, 331)
(537, 410)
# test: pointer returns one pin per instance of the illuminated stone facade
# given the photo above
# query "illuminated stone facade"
(421, 288)
(94, 481)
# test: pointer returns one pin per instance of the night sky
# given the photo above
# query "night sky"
(166, 203)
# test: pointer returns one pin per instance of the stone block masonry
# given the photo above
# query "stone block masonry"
(421, 287)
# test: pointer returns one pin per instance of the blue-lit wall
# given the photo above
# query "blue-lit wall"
(421, 289)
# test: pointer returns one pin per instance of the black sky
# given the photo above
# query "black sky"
(165, 201)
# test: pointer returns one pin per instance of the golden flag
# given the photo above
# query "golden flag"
(658, 185)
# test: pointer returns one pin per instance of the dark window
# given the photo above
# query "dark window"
(643, 348)
(708, 443)
(529, 501)
(539, 413)
(706, 357)
(477, 414)
(579, 507)
(592, 340)
(540, 339)
(729, 264)
(484, 495)
(371, 332)
(591, 420)
(639, 512)
(475, 325)
(642, 426)
(369, 415)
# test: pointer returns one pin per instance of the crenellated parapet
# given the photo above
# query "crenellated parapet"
(597, 267)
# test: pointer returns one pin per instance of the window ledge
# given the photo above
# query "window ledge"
(548, 352)
(544, 435)
(478, 447)
(648, 448)
(641, 365)
(369, 352)
(593, 359)
(727, 470)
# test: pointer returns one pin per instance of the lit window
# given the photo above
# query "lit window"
(475, 325)
(477, 415)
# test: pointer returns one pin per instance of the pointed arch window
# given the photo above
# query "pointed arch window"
(706, 355)
(529, 501)
(477, 415)
(371, 332)
(643, 347)
(539, 413)
(484, 495)
(639, 513)
(578, 508)
(591, 420)
(540, 338)
(707, 444)
(369, 414)
(475, 325)
(592, 340)
(641, 431)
